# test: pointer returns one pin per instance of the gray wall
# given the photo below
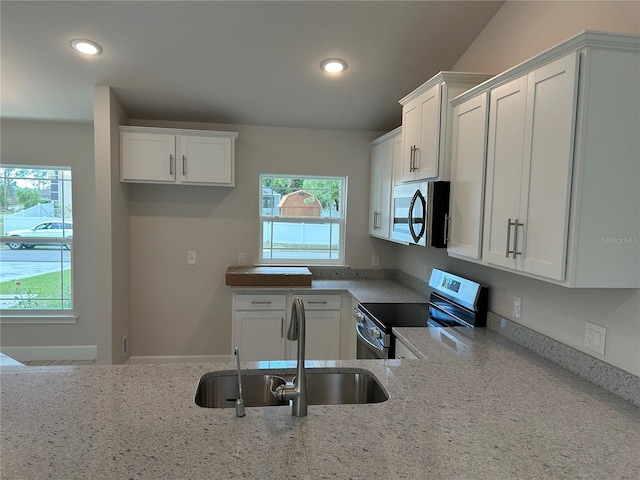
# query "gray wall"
(180, 309)
(518, 32)
(61, 144)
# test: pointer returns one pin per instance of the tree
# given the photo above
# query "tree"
(29, 197)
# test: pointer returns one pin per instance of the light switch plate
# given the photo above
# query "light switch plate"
(191, 257)
(242, 259)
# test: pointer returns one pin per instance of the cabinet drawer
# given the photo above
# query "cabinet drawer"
(320, 302)
(260, 302)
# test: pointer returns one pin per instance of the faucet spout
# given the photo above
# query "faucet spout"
(298, 391)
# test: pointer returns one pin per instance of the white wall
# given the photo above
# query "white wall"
(519, 31)
(180, 309)
(60, 144)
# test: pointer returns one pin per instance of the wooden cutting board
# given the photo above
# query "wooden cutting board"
(268, 277)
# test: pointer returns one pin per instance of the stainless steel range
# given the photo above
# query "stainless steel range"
(453, 302)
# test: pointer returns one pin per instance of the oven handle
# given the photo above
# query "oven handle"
(362, 333)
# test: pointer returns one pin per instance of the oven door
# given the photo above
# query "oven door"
(367, 347)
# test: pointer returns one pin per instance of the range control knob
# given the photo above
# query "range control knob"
(376, 333)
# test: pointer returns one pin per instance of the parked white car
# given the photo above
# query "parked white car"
(45, 229)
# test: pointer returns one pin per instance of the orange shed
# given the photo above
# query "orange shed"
(299, 204)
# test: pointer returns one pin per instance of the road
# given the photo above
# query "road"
(23, 263)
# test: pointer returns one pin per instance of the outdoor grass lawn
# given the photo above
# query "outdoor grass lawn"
(45, 286)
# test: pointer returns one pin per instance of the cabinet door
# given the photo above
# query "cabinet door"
(467, 177)
(260, 335)
(323, 335)
(548, 160)
(147, 157)
(410, 139)
(322, 314)
(504, 170)
(375, 191)
(206, 160)
(396, 170)
(403, 352)
(381, 186)
(421, 136)
(428, 148)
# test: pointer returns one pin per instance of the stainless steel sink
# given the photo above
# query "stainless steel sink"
(344, 386)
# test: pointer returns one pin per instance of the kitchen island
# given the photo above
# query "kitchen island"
(476, 407)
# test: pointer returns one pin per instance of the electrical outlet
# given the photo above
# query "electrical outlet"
(242, 259)
(594, 337)
(375, 260)
(517, 307)
(125, 346)
(191, 257)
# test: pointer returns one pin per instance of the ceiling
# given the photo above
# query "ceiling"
(236, 62)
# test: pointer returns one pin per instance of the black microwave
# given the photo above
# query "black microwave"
(420, 212)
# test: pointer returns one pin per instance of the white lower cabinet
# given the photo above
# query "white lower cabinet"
(260, 324)
(403, 352)
(322, 314)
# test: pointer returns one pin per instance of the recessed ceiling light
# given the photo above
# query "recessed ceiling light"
(333, 65)
(86, 46)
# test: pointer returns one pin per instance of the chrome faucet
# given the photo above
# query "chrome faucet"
(298, 391)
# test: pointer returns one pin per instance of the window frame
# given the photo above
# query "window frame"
(48, 315)
(340, 221)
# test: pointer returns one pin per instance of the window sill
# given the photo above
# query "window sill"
(31, 318)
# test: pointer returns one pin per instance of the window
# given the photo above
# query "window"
(36, 223)
(302, 219)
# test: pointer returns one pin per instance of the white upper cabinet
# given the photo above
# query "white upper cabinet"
(468, 165)
(162, 155)
(530, 146)
(427, 119)
(383, 153)
(562, 191)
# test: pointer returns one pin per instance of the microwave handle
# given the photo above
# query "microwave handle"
(417, 236)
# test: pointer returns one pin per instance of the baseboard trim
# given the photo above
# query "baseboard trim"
(68, 352)
(155, 359)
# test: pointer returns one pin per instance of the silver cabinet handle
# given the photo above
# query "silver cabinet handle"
(413, 165)
(515, 238)
(261, 302)
(446, 228)
(282, 327)
(184, 168)
(515, 224)
(171, 165)
(413, 159)
(317, 302)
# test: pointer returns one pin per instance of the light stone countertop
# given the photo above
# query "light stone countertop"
(369, 290)
(477, 407)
